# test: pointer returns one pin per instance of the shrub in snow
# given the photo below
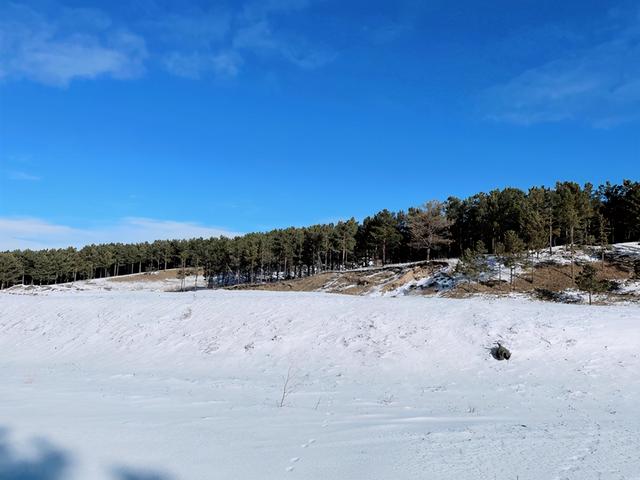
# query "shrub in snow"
(473, 263)
(500, 352)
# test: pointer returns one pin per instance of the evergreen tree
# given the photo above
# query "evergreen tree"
(10, 269)
(567, 215)
(513, 247)
(603, 236)
(587, 280)
(385, 233)
(456, 211)
(501, 258)
(574, 212)
(535, 225)
(429, 227)
(346, 236)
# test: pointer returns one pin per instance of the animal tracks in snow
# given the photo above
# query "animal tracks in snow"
(294, 460)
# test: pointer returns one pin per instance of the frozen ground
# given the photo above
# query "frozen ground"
(148, 385)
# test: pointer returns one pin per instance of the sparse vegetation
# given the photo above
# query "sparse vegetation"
(287, 387)
(473, 262)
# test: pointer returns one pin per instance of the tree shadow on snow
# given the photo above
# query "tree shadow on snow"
(123, 473)
(47, 462)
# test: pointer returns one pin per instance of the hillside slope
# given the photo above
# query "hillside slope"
(548, 276)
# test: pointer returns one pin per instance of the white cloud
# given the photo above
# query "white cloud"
(34, 233)
(257, 36)
(599, 85)
(58, 45)
(74, 44)
(228, 38)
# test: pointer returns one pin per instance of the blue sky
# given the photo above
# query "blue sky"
(169, 119)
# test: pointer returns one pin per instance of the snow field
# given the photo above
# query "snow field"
(142, 384)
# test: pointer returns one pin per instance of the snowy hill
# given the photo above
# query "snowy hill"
(144, 384)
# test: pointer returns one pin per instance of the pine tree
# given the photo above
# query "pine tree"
(575, 210)
(429, 227)
(10, 269)
(513, 247)
(500, 258)
(535, 225)
(385, 233)
(603, 236)
(346, 235)
(587, 280)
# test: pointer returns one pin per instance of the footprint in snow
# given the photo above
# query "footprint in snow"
(292, 460)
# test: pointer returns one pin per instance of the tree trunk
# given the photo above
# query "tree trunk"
(550, 236)
(531, 264)
(384, 252)
(573, 277)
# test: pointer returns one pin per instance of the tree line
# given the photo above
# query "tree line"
(500, 220)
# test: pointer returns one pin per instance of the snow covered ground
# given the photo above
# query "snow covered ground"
(142, 385)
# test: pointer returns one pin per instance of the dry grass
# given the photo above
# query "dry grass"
(306, 284)
(355, 282)
(158, 276)
(549, 277)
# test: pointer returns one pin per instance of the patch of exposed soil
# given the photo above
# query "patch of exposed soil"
(548, 279)
(157, 276)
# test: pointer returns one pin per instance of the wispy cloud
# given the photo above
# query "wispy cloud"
(258, 38)
(23, 176)
(197, 64)
(231, 38)
(57, 48)
(598, 84)
(35, 233)
(61, 44)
